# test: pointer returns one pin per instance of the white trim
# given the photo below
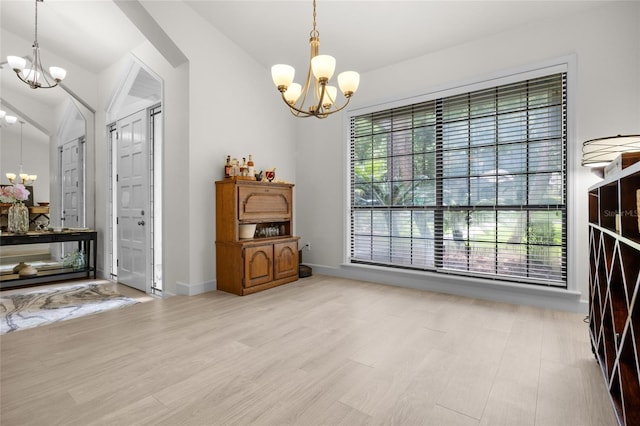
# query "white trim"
(573, 153)
(561, 64)
(184, 289)
(499, 291)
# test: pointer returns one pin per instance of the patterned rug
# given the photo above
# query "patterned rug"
(32, 309)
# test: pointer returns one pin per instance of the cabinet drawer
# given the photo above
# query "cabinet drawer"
(264, 203)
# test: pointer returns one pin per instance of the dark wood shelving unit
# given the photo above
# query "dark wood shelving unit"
(614, 282)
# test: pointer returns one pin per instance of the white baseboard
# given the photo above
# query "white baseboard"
(538, 296)
(184, 289)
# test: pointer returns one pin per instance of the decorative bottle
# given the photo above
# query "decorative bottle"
(227, 168)
(250, 166)
(243, 167)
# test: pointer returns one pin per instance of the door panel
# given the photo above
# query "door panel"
(132, 199)
(286, 259)
(258, 265)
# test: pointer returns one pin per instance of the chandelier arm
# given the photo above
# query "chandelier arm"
(319, 107)
(33, 86)
(319, 113)
(292, 107)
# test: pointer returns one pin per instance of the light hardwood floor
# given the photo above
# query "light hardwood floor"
(319, 351)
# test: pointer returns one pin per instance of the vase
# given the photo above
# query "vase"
(18, 220)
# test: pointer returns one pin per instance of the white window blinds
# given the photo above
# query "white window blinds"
(472, 184)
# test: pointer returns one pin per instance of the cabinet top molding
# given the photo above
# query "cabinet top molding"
(254, 182)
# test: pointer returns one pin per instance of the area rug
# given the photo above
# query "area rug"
(36, 308)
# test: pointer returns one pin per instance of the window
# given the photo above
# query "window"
(471, 184)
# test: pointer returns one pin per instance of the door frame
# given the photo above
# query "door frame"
(154, 255)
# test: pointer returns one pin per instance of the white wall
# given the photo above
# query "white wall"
(230, 112)
(215, 105)
(174, 152)
(606, 44)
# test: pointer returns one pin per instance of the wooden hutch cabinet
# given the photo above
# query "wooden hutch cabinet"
(269, 257)
(614, 293)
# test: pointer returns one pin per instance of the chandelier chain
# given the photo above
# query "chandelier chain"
(36, 30)
(314, 32)
(21, 124)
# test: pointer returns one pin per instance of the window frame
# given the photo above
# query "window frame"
(559, 65)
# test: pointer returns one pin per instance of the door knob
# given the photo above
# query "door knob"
(141, 223)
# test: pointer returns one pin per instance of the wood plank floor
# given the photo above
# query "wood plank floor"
(319, 351)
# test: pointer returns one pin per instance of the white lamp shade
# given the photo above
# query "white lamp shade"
(600, 152)
(282, 74)
(33, 178)
(348, 82)
(11, 119)
(11, 176)
(329, 97)
(323, 66)
(24, 176)
(16, 62)
(58, 73)
(293, 93)
(2, 114)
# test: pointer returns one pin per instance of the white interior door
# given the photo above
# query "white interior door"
(72, 205)
(133, 206)
(71, 170)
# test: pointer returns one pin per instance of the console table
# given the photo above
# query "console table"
(87, 241)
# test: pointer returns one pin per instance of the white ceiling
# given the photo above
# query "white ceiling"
(366, 35)
(362, 35)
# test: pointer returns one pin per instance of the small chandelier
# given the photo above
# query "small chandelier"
(34, 75)
(25, 178)
(316, 98)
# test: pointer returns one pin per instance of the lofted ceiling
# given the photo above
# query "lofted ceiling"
(362, 35)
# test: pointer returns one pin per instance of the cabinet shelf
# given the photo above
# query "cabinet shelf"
(614, 281)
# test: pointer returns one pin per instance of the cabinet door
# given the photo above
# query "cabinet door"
(286, 259)
(258, 265)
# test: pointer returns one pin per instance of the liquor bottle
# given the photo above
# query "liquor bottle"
(243, 167)
(227, 168)
(250, 166)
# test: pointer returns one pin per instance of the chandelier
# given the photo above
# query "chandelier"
(316, 98)
(34, 75)
(25, 178)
